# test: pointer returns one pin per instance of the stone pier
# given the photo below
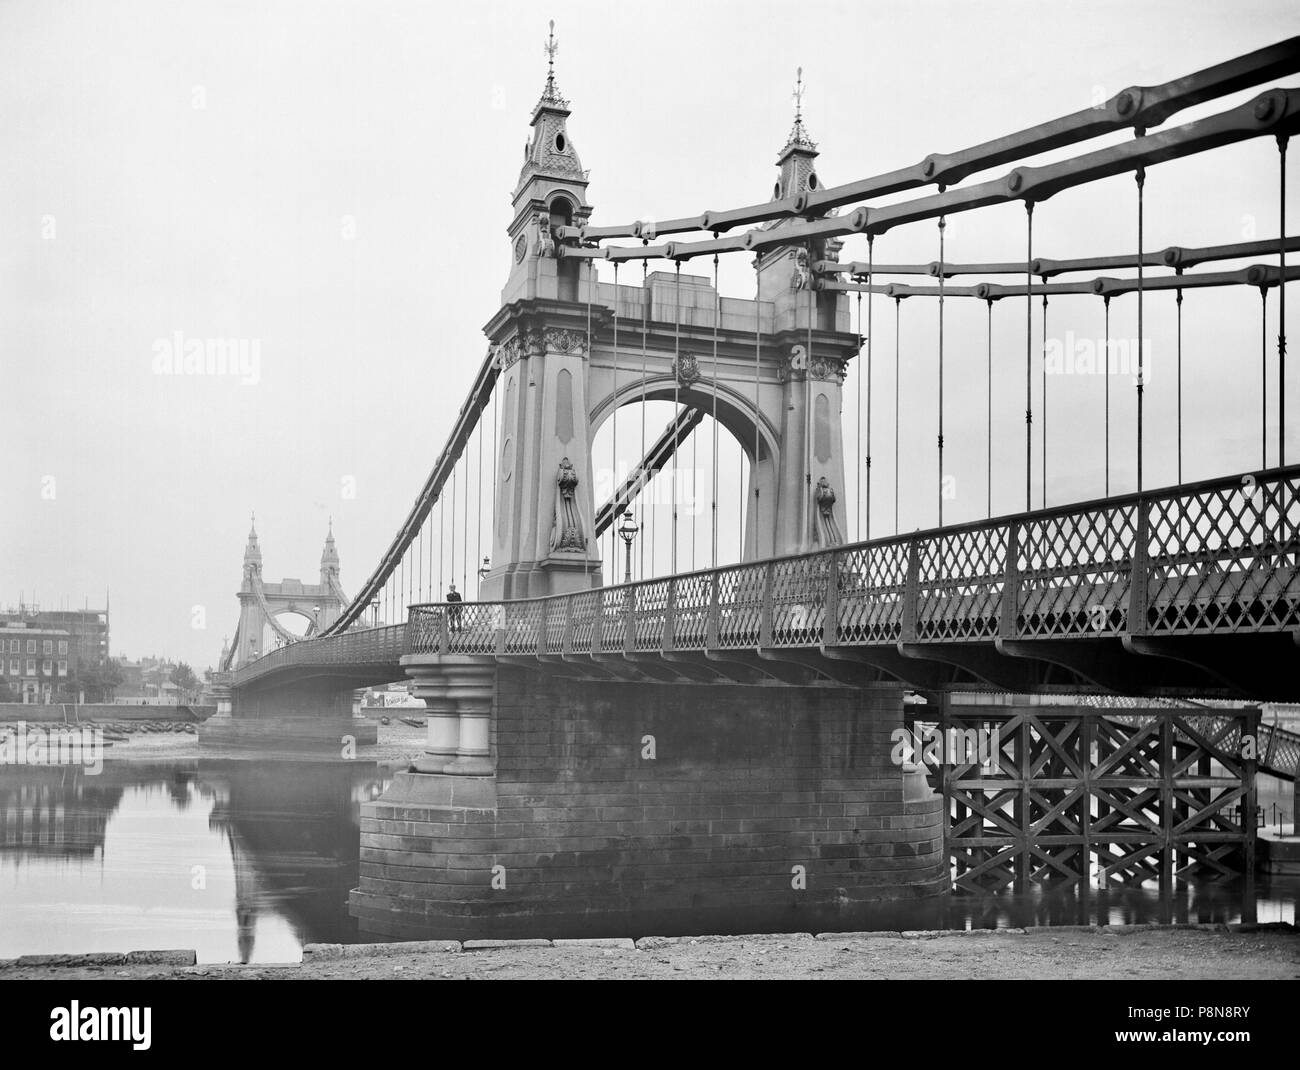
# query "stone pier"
(297, 717)
(606, 809)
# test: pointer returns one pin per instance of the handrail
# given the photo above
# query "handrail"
(1220, 556)
(1154, 562)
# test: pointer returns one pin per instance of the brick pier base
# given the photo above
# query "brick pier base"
(633, 809)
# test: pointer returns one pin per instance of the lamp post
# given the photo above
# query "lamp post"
(628, 528)
(484, 569)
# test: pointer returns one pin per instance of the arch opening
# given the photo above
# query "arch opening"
(687, 497)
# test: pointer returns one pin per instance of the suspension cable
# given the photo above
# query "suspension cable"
(1106, 387)
(677, 381)
(1029, 347)
(1263, 376)
(758, 346)
(808, 412)
(1140, 177)
(1178, 304)
(452, 564)
(898, 301)
(640, 475)
(717, 316)
(478, 519)
(442, 542)
(615, 481)
(464, 525)
(695, 446)
(988, 462)
(1043, 420)
(496, 448)
(942, 227)
(871, 297)
(857, 465)
(1281, 302)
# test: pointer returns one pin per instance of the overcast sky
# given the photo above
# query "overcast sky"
(333, 180)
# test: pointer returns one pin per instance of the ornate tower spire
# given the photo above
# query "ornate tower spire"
(799, 151)
(551, 193)
(329, 558)
(549, 152)
(551, 92)
(252, 551)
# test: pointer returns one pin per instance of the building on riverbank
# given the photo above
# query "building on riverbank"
(44, 652)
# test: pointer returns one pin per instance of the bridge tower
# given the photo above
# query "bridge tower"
(811, 358)
(260, 603)
(545, 538)
(562, 375)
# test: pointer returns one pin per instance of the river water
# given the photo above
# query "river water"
(247, 861)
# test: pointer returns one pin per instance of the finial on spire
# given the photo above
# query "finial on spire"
(551, 94)
(798, 135)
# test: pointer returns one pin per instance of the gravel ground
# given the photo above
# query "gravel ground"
(1144, 954)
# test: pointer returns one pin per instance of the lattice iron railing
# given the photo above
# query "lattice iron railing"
(370, 646)
(1218, 557)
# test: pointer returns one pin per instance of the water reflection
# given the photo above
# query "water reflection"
(243, 861)
(249, 860)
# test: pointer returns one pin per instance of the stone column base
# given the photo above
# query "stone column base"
(458, 693)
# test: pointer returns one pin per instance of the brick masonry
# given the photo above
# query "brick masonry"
(594, 839)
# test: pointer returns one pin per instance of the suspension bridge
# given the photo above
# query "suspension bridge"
(554, 775)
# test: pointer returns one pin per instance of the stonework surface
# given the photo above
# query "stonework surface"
(591, 837)
(1038, 954)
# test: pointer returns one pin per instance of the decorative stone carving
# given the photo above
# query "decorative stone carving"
(508, 354)
(566, 523)
(545, 244)
(802, 275)
(559, 340)
(687, 368)
(531, 343)
(826, 532)
(828, 369)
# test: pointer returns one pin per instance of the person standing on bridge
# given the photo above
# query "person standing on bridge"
(453, 613)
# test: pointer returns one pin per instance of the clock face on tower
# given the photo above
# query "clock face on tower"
(521, 247)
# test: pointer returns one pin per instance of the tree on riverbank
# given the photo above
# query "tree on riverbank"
(183, 677)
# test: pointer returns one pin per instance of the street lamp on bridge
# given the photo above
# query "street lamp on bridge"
(628, 528)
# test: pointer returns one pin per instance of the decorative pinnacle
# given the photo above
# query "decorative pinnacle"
(551, 94)
(798, 135)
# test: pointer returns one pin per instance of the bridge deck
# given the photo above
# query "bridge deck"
(1197, 588)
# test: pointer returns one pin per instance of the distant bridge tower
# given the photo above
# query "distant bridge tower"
(555, 393)
(261, 603)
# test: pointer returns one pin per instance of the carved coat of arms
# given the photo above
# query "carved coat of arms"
(687, 367)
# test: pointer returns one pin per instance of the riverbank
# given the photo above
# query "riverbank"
(1105, 953)
(160, 736)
